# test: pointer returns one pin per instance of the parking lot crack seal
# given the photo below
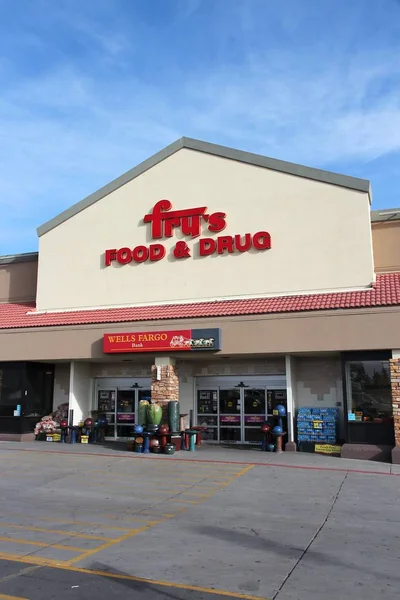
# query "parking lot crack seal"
(314, 537)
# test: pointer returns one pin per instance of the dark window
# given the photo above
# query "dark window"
(370, 395)
(11, 383)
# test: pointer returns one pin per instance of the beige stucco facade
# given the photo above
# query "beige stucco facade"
(386, 246)
(324, 331)
(322, 240)
(18, 278)
(315, 227)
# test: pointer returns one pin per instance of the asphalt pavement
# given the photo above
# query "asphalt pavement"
(79, 522)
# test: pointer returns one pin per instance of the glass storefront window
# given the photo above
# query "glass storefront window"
(229, 402)
(207, 421)
(210, 435)
(254, 402)
(369, 393)
(253, 434)
(230, 434)
(207, 402)
(235, 414)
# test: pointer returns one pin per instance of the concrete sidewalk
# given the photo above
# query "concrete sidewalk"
(211, 453)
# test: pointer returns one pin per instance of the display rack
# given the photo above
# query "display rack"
(317, 425)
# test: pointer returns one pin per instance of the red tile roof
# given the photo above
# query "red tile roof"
(385, 292)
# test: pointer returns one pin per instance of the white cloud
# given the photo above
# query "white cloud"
(69, 129)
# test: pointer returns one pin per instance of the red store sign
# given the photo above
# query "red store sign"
(188, 340)
(164, 221)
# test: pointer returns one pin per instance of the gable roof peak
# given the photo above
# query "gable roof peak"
(258, 160)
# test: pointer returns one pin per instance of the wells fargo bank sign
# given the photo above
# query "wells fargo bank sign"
(191, 222)
(187, 340)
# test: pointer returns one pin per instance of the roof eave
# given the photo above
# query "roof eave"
(18, 258)
(385, 215)
(360, 185)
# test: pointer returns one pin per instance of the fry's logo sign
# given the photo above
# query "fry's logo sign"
(163, 223)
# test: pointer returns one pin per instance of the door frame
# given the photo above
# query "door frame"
(120, 384)
(135, 406)
(267, 382)
(242, 412)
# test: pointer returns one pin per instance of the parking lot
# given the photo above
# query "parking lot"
(74, 524)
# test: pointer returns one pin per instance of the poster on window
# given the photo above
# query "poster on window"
(254, 419)
(230, 420)
(207, 401)
(106, 401)
(275, 397)
(126, 417)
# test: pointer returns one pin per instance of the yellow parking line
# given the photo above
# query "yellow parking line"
(30, 559)
(108, 542)
(57, 531)
(181, 510)
(87, 523)
(5, 597)
(40, 544)
(153, 582)
(106, 545)
(239, 474)
(133, 520)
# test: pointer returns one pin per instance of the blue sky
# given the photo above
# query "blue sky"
(90, 88)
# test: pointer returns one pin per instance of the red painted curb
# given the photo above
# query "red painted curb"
(198, 460)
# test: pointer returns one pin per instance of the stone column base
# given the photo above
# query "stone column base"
(17, 437)
(291, 447)
(367, 452)
(396, 455)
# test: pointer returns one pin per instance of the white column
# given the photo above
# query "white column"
(291, 391)
(72, 400)
(80, 390)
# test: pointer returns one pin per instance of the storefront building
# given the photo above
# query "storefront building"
(229, 281)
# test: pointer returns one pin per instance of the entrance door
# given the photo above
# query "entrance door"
(242, 410)
(106, 406)
(119, 405)
(125, 412)
(230, 415)
(254, 414)
(235, 413)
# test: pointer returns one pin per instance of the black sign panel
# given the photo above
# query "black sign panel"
(205, 339)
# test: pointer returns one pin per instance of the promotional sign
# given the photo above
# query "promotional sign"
(327, 449)
(186, 340)
(126, 417)
(207, 401)
(164, 221)
(229, 419)
(254, 419)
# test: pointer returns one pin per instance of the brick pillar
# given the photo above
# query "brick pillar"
(395, 382)
(166, 387)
